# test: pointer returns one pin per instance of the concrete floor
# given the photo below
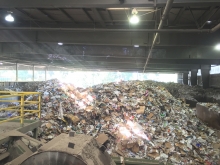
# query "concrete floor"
(9, 126)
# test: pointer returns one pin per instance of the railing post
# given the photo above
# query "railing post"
(39, 105)
(22, 110)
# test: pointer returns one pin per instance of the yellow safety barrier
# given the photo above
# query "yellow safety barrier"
(22, 104)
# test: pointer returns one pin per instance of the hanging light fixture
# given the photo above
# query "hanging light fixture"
(134, 19)
(9, 17)
(217, 47)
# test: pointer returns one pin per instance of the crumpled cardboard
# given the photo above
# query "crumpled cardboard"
(135, 148)
(102, 138)
(73, 118)
(141, 110)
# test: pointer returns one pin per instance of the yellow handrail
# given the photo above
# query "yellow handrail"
(20, 108)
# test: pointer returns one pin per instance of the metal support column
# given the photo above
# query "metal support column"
(33, 74)
(205, 70)
(16, 72)
(194, 77)
(185, 78)
(180, 78)
(45, 73)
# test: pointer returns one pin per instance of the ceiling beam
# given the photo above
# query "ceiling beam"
(186, 61)
(109, 30)
(98, 16)
(67, 15)
(100, 3)
(102, 65)
(112, 61)
(151, 66)
(109, 38)
(110, 53)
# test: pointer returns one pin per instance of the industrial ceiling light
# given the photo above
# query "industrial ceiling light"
(134, 19)
(136, 46)
(9, 17)
(217, 47)
(60, 43)
(209, 22)
(118, 8)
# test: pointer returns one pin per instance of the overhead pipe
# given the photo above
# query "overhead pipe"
(163, 19)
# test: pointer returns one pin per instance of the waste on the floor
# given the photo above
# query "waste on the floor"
(141, 119)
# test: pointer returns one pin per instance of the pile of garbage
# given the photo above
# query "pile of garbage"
(212, 107)
(140, 119)
(193, 93)
(213, 95)
(136, 119)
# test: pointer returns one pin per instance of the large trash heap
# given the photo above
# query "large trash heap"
(140, 118)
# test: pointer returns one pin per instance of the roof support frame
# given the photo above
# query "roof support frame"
(26, 13)
(48, 15)
(110, 16)
(197, 25)
(178, 16)
(87, 14)
(67, 15)
(98, 16)
(100, 3)
(208, 16)
(201, 18)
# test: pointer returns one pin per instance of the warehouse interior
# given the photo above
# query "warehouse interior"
(116, 73)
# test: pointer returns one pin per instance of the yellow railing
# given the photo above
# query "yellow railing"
(22, 104)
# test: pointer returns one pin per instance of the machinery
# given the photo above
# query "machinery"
(17, 148)
(65, 149)
(70, 150)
